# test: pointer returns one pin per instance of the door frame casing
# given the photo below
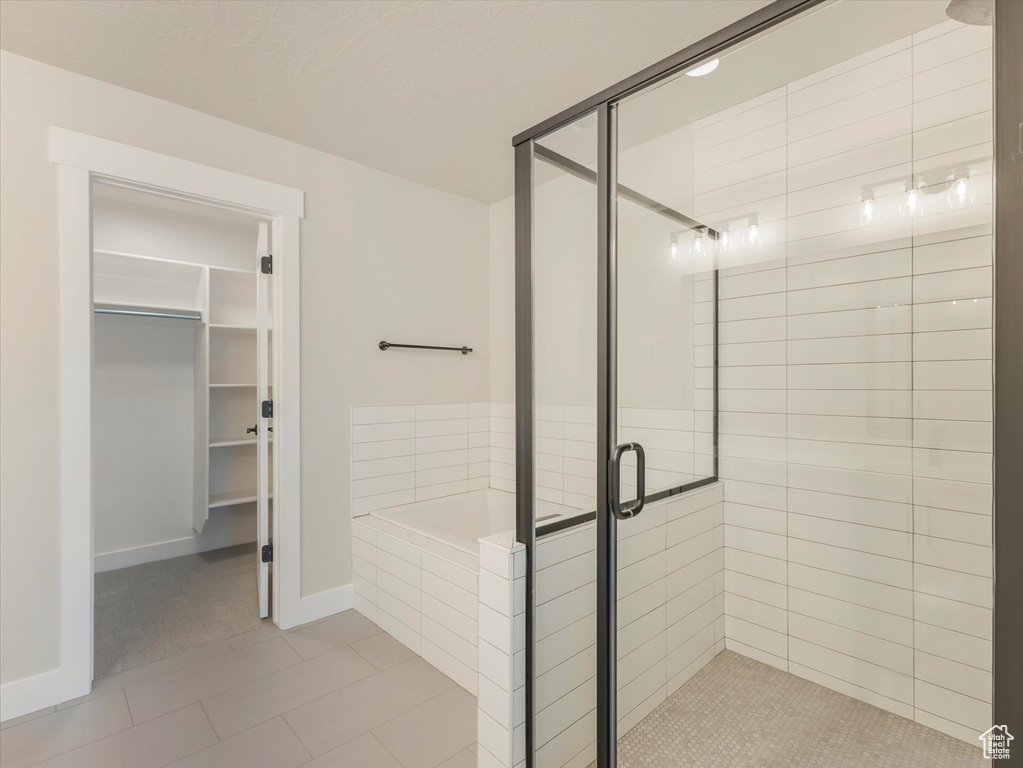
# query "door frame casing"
(81, 160)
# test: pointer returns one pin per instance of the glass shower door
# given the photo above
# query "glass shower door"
(663, 530)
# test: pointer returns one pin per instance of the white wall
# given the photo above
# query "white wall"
(381, 257)
(502, 301)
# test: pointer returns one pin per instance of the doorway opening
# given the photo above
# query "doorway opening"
(182, 450)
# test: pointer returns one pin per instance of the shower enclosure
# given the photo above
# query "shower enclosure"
(756, 288)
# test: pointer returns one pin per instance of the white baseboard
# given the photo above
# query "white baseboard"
(163, 550)
(325, 603)
(30, 694)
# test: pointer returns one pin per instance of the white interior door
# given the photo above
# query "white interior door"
(264, 418)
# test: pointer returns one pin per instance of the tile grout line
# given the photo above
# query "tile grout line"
(300, 742)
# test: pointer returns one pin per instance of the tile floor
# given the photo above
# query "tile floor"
(340, 693)
(739, 713)
(335, 693)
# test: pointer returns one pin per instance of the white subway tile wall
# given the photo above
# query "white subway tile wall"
(407, 453)
(670, 621)
(421, 592)
(501, 712)
(855, 375)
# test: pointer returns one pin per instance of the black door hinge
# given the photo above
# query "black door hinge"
(268, 409)
(267, 553)
(266, 265)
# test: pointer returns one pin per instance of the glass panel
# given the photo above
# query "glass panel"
(844, 161)
(666, 310)
(565, 407)
(564, 317)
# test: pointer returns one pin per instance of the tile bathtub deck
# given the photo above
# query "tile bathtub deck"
(339, 692)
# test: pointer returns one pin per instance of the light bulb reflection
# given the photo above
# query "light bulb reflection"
(753, 232)
(960, 191)
(697, 244)
(913, 203)
(867, 208)
(673, 257)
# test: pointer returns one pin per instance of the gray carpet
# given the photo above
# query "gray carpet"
(156, 610)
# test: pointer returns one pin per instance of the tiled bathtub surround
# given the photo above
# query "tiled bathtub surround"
(421, 592)
(670, 624)
(855, 378)
(407, 453)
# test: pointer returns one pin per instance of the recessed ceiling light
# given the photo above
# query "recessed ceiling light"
(704, 69)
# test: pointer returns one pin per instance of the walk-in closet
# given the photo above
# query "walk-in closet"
(182, 425)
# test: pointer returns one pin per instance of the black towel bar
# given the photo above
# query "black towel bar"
(385, 345)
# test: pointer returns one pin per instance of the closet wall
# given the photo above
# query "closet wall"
(144, 391)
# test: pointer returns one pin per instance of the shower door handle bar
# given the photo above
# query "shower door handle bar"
(633, 508)
(385, 345)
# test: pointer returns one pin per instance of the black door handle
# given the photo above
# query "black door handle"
(635, 507)
(253, 430)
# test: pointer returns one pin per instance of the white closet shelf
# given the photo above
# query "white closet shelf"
(235, 384)
(229, 327)
(229, 498)
(174, 262)
(232, 270)
(229, 442)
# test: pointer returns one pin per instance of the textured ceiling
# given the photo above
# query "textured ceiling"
(431, 91)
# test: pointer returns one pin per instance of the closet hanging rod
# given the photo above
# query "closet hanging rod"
(197, 316)
(385, 345)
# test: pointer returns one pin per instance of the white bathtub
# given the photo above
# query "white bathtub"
(458, 521)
